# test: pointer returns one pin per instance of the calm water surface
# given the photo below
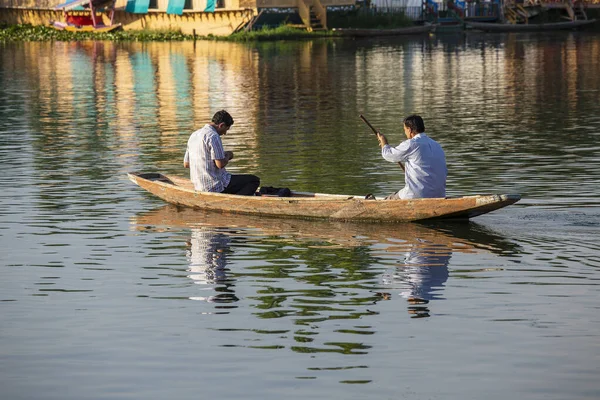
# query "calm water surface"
(108, 293)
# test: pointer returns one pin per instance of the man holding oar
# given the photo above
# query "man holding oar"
(424, 161)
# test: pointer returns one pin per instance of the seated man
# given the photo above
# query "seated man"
(425, 162)
(206, 159)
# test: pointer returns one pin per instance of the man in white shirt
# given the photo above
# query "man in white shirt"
(423, 158)
(206, 159)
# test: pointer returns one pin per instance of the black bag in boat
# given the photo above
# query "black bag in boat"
(273, 191)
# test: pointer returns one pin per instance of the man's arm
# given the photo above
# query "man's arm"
(222, 163)
(186, 159)
(389, 153)
(382, 139)
(396, 154)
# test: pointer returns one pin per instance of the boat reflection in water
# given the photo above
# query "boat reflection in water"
(410, 260)
(421, 274)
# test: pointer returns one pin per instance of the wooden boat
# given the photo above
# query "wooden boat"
(180, 191)
(80, 16)
(413, 30)
(553, 26)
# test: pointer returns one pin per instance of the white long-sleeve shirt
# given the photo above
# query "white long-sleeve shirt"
(425, 165)
(203, 148)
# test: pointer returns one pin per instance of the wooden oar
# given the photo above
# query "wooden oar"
(376, 132)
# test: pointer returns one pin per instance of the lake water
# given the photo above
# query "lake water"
(108, 293)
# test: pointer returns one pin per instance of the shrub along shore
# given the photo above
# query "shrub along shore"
(336, 20)
(46, 33)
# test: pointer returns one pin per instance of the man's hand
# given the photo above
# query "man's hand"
(382, 139)
(186, 164)
(223, 163)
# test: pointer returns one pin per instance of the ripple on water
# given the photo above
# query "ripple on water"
(90, 280)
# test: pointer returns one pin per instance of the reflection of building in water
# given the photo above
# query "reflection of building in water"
(421, 276)
(207, 256)
(156, 93)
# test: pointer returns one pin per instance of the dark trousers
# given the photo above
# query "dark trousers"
(244, 185)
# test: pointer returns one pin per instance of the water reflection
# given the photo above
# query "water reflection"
(514, 112)
(207, 255)
(421, 276)
(128, 104)
(315, 271)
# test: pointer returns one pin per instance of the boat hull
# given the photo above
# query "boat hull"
(414, 30)
(61, 26)
(180, 191)
(496, 27)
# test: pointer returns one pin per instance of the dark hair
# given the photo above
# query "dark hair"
(415, 123)
(222, 117)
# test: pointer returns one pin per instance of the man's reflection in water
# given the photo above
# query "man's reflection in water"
(207, 255)
(421, 276)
